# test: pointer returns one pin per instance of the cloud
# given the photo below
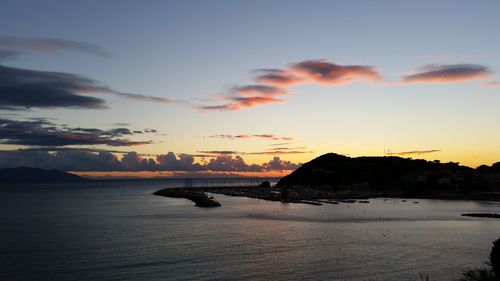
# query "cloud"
(24, 88)
(245, 136)
(9, 54)
(278, 77)
(287, 148)
(493, 84)
(143, 97)
(259, 90)
(324, 72)
(14, 47)
(44, 133)
(278, 165)
(280, 144)
(228, 163)
(279, 152)
(103, 161)
(452, 73)
(213, 153)
(273, 137)
(237, 103)
(417, 152)
(274, 83)
(218, 152)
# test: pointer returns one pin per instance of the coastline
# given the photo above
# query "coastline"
(320, 197)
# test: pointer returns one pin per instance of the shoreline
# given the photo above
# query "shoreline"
(315, 197)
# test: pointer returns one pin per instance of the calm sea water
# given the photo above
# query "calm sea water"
(120, 231)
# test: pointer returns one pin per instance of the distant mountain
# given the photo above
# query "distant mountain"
(36, 175)
(333, 170)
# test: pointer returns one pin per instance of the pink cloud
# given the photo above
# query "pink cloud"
(275, 82)
(324, 72)
(236, 103)
(493, 84)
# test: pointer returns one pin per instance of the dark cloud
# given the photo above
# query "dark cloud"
(185, 162)
(14, 47)
(278, 77)
(234, 164)
(103, 161)
(259, 90)
(64, 160)
(24, 88)
(44, 133)
(279, 165)
(448, 73)
(417, 152)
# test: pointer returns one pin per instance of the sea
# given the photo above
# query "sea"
(119, 230)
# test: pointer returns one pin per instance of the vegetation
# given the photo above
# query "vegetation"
(489, 273)
(413, 177)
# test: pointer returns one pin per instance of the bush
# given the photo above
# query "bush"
(495, 258)
(486, 273)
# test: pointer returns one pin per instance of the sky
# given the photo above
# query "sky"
(147, 88)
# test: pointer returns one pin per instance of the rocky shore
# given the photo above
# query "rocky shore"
(311, 196)
(196, 195)
(482, 215)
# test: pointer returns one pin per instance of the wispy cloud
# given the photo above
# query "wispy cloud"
(279, 152)
(278, 77)
(240, 102)
(15, 47)
(452, 73)
(145, 98)
(260, 90)
(285, 148)
(247, 136)
(218, 152)
(280, 144)
(417, 152)
(492, 84)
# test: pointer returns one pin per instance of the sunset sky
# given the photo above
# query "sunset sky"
(245, 87)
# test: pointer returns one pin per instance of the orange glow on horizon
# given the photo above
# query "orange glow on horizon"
(179, 174)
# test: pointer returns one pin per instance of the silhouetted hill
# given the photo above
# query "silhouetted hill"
(36, 175)
(334, 170)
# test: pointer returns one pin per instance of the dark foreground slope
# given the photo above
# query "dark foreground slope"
(36, 175)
